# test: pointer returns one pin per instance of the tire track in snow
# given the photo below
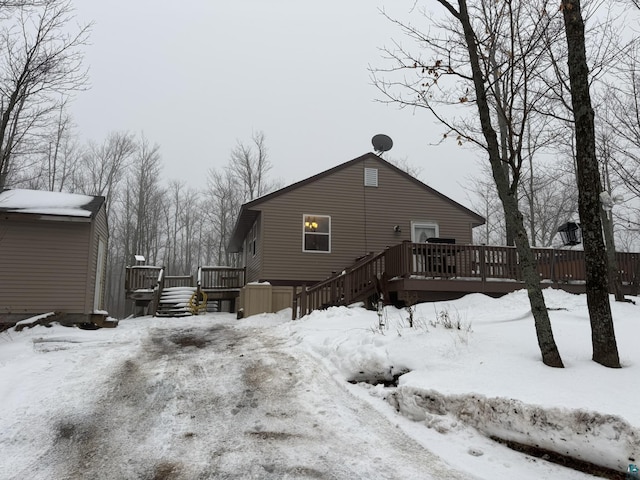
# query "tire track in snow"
(221, 402)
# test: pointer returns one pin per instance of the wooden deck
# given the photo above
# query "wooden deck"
(406, 273)
(144, 285)
(413, 272)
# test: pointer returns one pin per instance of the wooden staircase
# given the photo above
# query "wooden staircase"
(361, 282)
(174, 302)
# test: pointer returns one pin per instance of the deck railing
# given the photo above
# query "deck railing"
(171, 281)
(220, 278)
(147, 277)
(452, 262)
(352, 284)
(142, 277)
(441, 260)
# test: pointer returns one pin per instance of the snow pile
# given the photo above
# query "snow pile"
(483, 370)
(466, 371)
(601, 439)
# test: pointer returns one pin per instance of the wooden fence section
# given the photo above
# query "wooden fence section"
(454, 268)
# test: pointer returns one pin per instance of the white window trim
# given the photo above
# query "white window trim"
(423, 224)
(305, 233)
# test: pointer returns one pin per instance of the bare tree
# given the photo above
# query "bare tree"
(484, 199)
(223, 202)
(174, 210)
(250, 165)
(551, 198)
(403, 164)
(143, 184)
(183, 217)
(511, 49)
(61, 153)
(6, 6)
(40, 60)
(605, 350)
(605, 151)
(103, 165)
(136, 207)
(464, 54)
(621, 126)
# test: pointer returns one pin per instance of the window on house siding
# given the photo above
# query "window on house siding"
(253, 240)
(370, 177)
(316, 236)
(422, 231)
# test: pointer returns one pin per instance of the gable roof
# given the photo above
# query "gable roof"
(248, 214)
(54, 204)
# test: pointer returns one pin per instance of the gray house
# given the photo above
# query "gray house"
(303, 233)
(53, 250)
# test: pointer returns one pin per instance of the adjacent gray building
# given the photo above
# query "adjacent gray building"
(53, 251)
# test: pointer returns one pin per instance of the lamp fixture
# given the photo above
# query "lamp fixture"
(311, 225)
(570, 234)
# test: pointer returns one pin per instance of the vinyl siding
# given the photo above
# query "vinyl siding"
(253, 263)
(362, 220)
(44, 266)
(99, 230)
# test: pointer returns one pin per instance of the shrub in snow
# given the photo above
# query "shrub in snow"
(450, 321)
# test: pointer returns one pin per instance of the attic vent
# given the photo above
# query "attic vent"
(370, 177)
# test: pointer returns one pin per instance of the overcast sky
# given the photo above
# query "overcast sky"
(198, 75)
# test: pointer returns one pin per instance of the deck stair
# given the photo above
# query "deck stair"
(174, 301)
(360, 282)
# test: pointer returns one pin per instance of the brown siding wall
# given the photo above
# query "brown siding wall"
(254, 262)
(362, 220)
(99, 230)
(44, 266)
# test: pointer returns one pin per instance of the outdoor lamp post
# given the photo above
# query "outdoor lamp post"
(570, 233)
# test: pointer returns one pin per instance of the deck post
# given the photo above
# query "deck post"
(635, 283)
(347, 287)
(405, 257)
(483, 270)
(303, 301)
(333, 292)
(294, 304)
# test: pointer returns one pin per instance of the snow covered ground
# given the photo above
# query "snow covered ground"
(456, 388)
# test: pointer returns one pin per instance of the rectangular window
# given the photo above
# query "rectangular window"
(422, 231)
(253, 241)
(316, 236)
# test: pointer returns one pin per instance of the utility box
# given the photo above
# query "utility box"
(281, 298)
(256, 298)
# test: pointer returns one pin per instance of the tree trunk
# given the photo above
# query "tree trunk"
(513, 216)
(606, 214)
(502, 128)
(614, 271)
(605, 350)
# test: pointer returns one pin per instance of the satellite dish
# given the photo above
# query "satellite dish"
(381, 143)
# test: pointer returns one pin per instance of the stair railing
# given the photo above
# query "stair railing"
(351, 285)
(158, 292)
